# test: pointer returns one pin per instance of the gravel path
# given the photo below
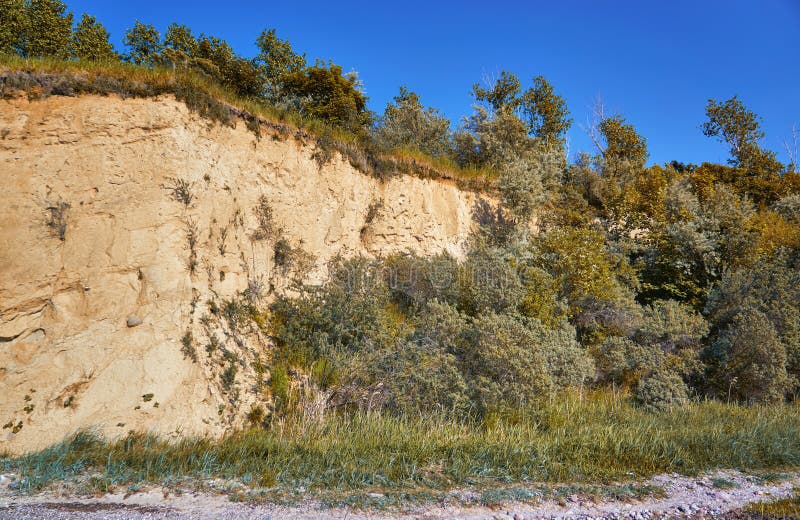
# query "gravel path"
(686, 497)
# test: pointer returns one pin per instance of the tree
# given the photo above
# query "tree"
(216, 58)
(180, 45)
(735, 125)
(329, 95)
(758, 171)
(90, 41)
(503, 95)
(407, 123)
(13, 25)
(144, 42)
(624, 146)
(546, 112)
(49, 29)
(277, 57)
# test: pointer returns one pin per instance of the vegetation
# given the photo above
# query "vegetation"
(673, 288)
(595, 437)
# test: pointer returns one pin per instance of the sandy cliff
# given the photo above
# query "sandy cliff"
(109, 282)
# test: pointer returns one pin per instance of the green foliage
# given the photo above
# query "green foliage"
(748, 360)
(503, 96)
(188, 348)
(789, 208)
(526, 183)
(180, 45)
(144, 42)
(624, 147)
(591, 278)
(757, 170)
(277, 57)
(735, 125)
(661, 390)
(624, 362)
(13, 26)
(325, 93)
(546, 112)
(773, 289)
(49, 28)
(383, 346)
(279, 386)
(90, 41)
(406, 123)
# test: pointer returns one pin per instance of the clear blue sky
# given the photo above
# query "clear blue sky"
(655, 62)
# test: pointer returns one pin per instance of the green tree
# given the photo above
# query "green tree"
(735, 125)
(407, 123)
(49, 29)
(144, 42)
(325, 93)
(624, 147)
(90, 41)
(13, 25)
(277, 57)
(503, 96)
(758, 169)
(180, 45)
(546, 112)
(216, 57)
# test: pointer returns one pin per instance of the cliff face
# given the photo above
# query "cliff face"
(129, 237)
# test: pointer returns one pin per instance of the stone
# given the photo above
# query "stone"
(134, 321)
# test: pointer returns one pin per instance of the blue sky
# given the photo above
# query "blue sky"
(655, 62)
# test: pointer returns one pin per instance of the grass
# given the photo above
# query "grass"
(41, 77)
(780, 509)
(596, 438)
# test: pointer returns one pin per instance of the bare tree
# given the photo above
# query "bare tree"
(791, 148)
(593, 120)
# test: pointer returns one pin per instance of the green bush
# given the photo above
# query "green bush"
(749, 361)
(661, 390)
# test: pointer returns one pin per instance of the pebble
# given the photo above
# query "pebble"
(134, 321)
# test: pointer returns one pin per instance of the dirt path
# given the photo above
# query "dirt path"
(709, 496)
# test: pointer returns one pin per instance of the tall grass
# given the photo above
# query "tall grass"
(593, 438)
(218, 103)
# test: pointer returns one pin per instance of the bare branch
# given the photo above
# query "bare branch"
(791, 148)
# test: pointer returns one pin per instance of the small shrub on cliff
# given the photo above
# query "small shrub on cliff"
(57, 218)
(187, 347)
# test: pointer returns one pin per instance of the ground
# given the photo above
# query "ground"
(727, 494)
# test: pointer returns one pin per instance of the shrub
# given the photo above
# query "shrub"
(789, 208)
(406, 123)
(661, 390)
(771, 287)
(266, 228)
(489, 282)
(187, 347)
(57, 218)
(749, 361)
(623, 361)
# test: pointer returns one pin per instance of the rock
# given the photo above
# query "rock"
(134, 321)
